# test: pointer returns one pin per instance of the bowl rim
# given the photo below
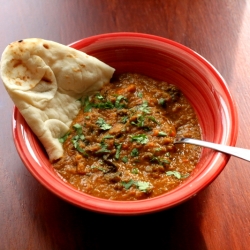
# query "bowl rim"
(21, 134)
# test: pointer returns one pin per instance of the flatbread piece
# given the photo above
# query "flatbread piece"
(44, 80)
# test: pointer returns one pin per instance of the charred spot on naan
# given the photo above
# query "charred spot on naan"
(46, 46)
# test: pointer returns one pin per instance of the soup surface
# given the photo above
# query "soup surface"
(120, 146)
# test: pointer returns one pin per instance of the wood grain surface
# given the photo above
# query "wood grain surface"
(31, 217)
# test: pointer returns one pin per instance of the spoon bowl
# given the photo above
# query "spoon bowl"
(241, 153)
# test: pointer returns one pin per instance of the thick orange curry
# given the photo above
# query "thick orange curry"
(120, 146)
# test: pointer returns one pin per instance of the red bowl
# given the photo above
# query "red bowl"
(160, 59)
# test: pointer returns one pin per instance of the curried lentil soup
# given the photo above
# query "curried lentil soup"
(120, 146)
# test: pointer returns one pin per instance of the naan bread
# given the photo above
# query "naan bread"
(44, 80)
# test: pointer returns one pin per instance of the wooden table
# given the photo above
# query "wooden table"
(31, 217)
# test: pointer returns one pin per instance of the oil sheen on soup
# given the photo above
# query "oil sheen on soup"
(120, 146)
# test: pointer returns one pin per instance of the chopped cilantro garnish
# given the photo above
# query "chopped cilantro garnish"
(64, 138)
(158, 149)
(107, 137)
(185, 176)
(118, 100)
(99, 96)
(152, 119)
(78, 137)
(162, 101)
(125, 159)
(174, 173)
(87, 104)
(124, 119)
(140, 94)
(104, 105)
(161, 133)
(81, 150)
(134, 152)
(102, 124)
(103, 148)
(75, 141)
(99, 168)
(140, 138)
(118, 150)
(135, 171)
(144, 107)
(155, 159)
(128, 184)
(82, 137)
(78, 128)
(140, 121)
(160, 161)
(164, 161)
(143, 186)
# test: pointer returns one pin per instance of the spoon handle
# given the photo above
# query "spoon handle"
(238, 152)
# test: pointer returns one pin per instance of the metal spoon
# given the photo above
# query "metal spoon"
(238, 152)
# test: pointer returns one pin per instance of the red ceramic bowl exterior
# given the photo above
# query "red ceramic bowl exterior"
(161, 59)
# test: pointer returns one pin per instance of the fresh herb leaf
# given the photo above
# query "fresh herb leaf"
(118, 150)
(87, 104)
(158, 149)
(99, 96)
(103, 149)
(107, 137)
(155, 159)
(185, 176)
(79, 149)
(174, 173)
(118, 100)
(134, 152)
(64, 138)
(140, 121)
(99, 168)
(82, 137)
(162, 101)
(75, 141)
(125, 159)
(124, 119)
(140, 138)
(128, 184)
(160, 161)
(164, 161)
(161, 133)
(102, 124)
(140, 94)
(104, 105)
(78, 128)
(135, 171)
(143, 186)
(152, 119)
(144, 107)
